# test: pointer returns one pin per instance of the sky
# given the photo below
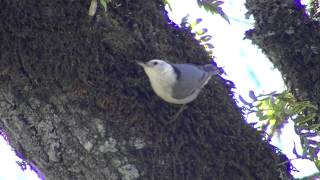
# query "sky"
(243, 62)
(9, 170)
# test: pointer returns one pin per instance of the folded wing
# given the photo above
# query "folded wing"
(190, 80)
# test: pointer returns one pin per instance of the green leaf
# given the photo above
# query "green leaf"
(205, 38)
(199, 3)
(185, 22)
(252, 95)
(223, 15)
(202, 31)
(212, 6)
(259, 114)
(294, 150)
(259, 104)
(166, 2)
(185, 18)
(317, 163)
(245, 102)
(208, 45)
(265, 117)
(104, 4)
(217, 3)
(314, 127)
(195, 23)
(198, 20)
(268, 94)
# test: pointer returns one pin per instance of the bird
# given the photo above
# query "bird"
(177, 83)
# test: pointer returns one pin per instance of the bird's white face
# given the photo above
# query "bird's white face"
(156, 66)
(161, 74)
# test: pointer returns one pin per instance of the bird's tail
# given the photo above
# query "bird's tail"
(212, 69)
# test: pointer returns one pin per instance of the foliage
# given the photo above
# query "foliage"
(166, 2)
(313, 9)
(213, 6)
(312, 176)
(94, 4)
(275, 109)
(22, 164)
(104, 4)
(200, 34)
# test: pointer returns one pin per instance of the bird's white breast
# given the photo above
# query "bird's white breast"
(162, 83)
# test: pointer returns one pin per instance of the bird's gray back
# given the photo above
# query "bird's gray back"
(191, 78)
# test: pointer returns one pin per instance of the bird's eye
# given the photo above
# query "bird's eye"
(155, 63)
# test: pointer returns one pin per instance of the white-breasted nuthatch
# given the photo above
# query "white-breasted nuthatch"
(178, 83)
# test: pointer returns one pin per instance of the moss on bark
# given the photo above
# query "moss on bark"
(76, 105)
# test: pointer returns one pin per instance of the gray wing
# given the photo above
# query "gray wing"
(190, 79)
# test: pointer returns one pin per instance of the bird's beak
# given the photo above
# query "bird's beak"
(142, 64)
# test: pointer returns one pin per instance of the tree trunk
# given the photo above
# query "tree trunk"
(291, 40)
(75, 105)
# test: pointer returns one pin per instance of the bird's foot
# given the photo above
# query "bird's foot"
(175, 117)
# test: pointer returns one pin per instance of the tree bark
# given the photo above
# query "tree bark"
(291, 40)
(75, 105)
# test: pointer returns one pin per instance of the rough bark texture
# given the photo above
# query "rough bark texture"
(291, 40)
(74, 103)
